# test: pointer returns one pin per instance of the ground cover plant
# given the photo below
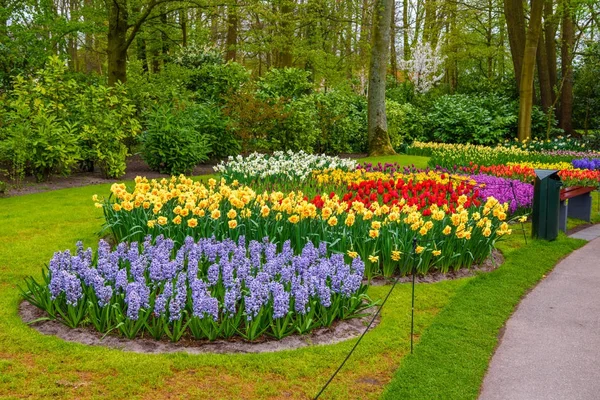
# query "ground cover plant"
(205, 289)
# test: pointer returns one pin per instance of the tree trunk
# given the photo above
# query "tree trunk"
(566, 67)
(405, 41)
(515, 24)
(232, 32)
(183, 17)
(287, 32)
(379, 140)
(393, 55)
(550, 43)
(543, 76)
(141, 52)
(117, 42)
(527, 73)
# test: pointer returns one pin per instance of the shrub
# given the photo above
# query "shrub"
(290, 83)
(38, 136)
(107, 120)
(173, 142)
(253, 120)
(342, 119)
(406, 123)
(466, 119)
(212, 123)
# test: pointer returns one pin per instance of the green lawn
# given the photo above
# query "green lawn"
(402, 159)
(457, 323)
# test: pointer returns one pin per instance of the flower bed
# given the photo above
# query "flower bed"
(280, 168)
(205, 290)
(587, 163)
(381, 235)
(525, 172)
(456, 155)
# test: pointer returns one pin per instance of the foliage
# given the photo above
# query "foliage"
(290, 83)
(53, 121)
(468, 119)
(174, 142)
(587, 89)
(213, 124)
(208, 290)
(406, 123)
(342, 121)
(253, 120)
(38, 135)
(107, 121)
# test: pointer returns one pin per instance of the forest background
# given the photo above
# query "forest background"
(85, 82)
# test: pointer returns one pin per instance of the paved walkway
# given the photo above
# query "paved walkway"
(551, 345)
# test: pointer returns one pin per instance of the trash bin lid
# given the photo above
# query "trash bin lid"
(545, 173)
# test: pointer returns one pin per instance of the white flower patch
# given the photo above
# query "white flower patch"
(288, 165)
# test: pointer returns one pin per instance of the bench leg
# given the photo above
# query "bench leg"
(562, 217)
(580, 207)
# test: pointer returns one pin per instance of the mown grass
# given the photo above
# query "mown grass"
(452, 357)
(402, 159)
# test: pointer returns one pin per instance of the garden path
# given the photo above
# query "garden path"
(551, 347)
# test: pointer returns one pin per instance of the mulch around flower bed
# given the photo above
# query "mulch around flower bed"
(338, 332)
(135, 167)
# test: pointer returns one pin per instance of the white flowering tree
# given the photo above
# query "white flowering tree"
(424, 68)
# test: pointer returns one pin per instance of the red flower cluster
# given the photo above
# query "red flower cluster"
(422, 194)
(520, 172)
(580, 177)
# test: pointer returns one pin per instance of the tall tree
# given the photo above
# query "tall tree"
(566, 67)
(526, 88)
(515, 23)
(121, 33)
(379, 139)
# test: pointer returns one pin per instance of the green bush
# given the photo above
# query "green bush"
(173, 142)
(37, 136)
(462, 118)
(342, 119)
(290, 83)
(107, 120)
(406, 123)
(212, 123)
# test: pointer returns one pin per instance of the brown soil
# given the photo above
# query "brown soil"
(338, 332)
(135, 167)
(491, 263)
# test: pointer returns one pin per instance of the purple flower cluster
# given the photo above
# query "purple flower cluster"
(209, 278)
(587, 163)
(518, 194)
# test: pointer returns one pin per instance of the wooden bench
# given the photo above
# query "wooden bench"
(579, 204)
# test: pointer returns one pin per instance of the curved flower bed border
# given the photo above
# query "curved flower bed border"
(205, 290)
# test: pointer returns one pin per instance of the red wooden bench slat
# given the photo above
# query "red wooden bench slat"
(574, 191)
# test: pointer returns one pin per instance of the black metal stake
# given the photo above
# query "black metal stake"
(517, 201)
(412, 313)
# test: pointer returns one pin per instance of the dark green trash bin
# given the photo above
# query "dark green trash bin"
(546, 204)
